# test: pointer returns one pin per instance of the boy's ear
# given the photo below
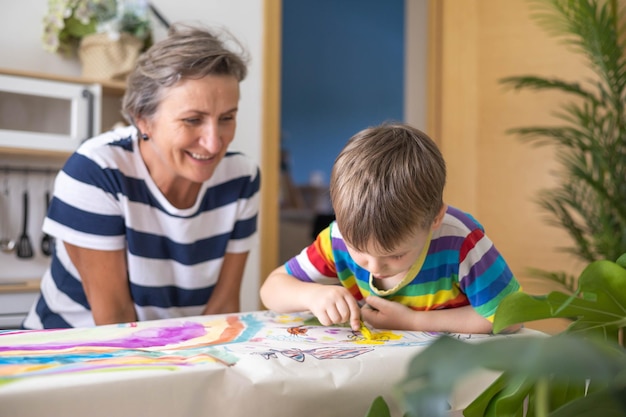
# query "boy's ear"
(439, 218)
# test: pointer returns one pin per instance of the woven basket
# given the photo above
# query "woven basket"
(105, 59)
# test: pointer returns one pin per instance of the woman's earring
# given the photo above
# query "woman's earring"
(144, 136)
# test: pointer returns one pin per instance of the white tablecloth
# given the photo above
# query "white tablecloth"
(248, 364)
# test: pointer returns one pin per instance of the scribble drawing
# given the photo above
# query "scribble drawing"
(297, 330)
(325, 352)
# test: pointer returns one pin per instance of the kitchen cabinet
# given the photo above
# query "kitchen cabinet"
(43, 119)
(15, 301)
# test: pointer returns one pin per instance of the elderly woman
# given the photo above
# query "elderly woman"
(156, 220)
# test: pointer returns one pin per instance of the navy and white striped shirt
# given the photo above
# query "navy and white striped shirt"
(105, 199)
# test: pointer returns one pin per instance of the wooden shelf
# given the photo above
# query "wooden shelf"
(55, 156)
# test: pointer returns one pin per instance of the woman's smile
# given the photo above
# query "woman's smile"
(199, 156)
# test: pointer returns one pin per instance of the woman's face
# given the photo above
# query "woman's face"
(191, 130)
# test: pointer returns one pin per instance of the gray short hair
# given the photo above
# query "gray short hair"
(188, 52)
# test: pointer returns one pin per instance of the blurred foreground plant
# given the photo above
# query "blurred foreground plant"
(580, 372)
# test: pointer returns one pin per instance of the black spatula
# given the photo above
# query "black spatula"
(24, 247)
(47, 241)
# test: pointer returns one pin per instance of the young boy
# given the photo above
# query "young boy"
(396, 256)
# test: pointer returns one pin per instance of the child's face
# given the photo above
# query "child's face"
(390, 265)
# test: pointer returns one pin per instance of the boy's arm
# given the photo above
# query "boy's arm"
(385, 314)
(331, 304)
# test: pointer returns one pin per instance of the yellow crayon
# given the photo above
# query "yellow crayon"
(367, 333)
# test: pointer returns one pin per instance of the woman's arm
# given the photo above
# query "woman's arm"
(104, 276)
(225, 297)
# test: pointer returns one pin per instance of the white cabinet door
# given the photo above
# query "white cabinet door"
(47, 115)
(14, 306)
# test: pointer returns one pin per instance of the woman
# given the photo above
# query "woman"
(156, 220)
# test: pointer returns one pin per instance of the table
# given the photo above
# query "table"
(247, 364)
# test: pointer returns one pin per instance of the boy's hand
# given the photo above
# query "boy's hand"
(333, 304)
(385, 314)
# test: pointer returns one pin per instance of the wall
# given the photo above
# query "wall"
(342, 70)
(20, 48)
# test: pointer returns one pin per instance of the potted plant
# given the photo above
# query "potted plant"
(590, 144)
(107, 35)
(581, 372)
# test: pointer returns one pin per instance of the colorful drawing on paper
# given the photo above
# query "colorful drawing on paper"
(180, 343)
(330, 352)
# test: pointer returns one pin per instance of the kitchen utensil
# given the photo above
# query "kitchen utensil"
(7, 245)
(47, 241)
(24, 247)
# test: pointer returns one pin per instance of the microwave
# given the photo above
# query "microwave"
(47, 115)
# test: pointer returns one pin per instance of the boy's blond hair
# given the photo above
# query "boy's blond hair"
(387, 184)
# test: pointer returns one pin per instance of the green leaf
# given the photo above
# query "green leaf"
(558, 393)
(600, 311)
(564, 392)
(602, 403)
(509, 401)
(77, 29)
(428, 402)
(478, 407)
(607, 281)
(379, 408)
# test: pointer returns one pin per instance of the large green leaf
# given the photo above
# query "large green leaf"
(479, 408)
(507, 402)
(598, 307)
(602, 403)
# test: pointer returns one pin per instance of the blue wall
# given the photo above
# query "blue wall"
(342, 71)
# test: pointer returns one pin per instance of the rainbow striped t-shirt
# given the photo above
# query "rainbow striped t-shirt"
(462, 267)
